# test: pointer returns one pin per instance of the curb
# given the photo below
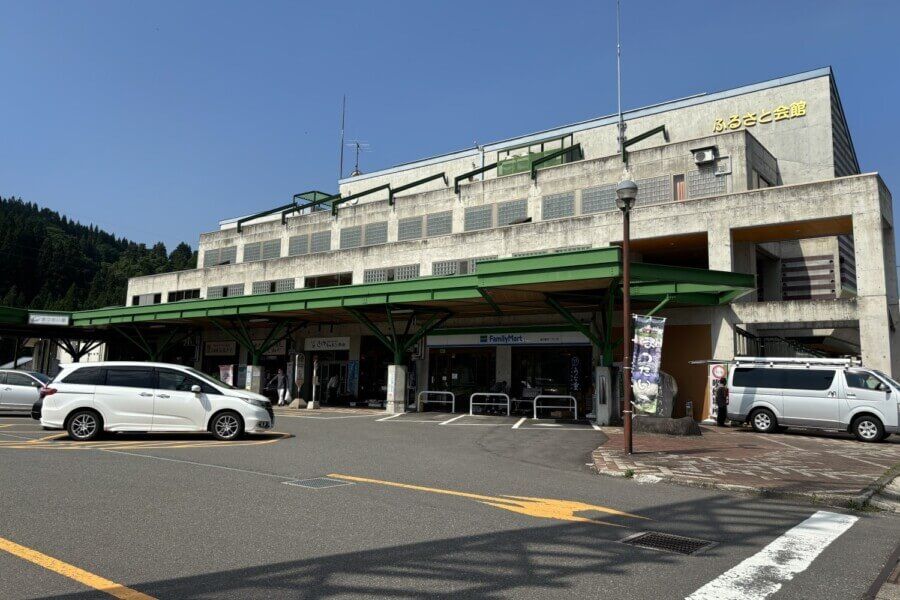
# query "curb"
(858, 501)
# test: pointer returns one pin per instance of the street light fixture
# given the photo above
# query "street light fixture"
(626, 193)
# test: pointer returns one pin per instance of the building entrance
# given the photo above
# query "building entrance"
(552, 370)
(462, 371)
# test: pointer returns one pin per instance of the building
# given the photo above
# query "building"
(761, 180)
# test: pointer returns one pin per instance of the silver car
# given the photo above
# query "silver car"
(19, 390)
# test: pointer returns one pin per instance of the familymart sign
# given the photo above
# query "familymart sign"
(529, 338)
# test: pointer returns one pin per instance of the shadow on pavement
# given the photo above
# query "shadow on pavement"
(547, 561)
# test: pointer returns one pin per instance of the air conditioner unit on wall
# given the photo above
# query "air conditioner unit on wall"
(704, 155)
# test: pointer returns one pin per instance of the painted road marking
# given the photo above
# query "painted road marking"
(542, 508)
(448, 421)
(519, 422)
(389, 417)
(72, 572)
(53, 442)
(595, 426)
(764, 573)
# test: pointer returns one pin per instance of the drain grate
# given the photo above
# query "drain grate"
(318, 483)
(668, 542)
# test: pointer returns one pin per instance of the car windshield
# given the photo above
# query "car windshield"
(209, 379)
(893, 382)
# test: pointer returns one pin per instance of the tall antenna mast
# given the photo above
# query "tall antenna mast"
(621, 137)
(343, 117)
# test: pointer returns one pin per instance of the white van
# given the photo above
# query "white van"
(837, 394)
(87, 399)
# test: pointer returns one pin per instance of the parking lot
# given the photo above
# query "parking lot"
(342, 503)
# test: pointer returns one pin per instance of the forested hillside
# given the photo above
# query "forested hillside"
(52, 263)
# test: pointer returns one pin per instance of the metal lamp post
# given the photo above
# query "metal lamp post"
(626, 192)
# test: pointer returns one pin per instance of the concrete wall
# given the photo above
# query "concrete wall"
(803, 145)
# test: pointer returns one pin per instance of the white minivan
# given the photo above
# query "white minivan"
(836, 394)
(90, 398)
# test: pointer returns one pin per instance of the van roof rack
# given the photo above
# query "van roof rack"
(771, 361)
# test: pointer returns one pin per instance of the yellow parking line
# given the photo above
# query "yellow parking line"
(543, 508)
(72, 572)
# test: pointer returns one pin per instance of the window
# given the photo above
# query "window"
(790, 379)
(320, 242)
(351, 237)
(391, 274)
(220, 256)
(679, 188)
(271, 249)
(479, 217)
(756, 378)
(376, 233)
(176, 381)
(134, 377)
(598, 199)
(808, 379)
(21, 379)
(252, 251)
(558, 206)
(225, 291)
(439, 224)
(329, 280)
(270, 287)
(457, 267)
(857, 379)
(146, 299)
(86, 376)
(409, 229)
(180, 295)
(298, 244)
(511, 212)
(654, 190)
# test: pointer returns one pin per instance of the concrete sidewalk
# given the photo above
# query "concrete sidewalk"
(829, 467)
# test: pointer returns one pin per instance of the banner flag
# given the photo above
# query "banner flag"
(645, 363)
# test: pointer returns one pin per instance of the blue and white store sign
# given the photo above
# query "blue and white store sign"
(525, 338)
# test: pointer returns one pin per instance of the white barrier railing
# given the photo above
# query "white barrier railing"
(473, 404)
(422, 399)
(573, 407)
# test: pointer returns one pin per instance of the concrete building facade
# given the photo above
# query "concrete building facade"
(761, 179)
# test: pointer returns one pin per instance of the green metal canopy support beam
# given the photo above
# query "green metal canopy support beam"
(393, 191)
(576, 149)
(78, 349)
(568, 316)
(640, 138)
(239, 333)
(317, 199)
(334, 205)
(393, 342)
(271, 211)
(659, 306)
(485, 293)
(153, 351)
(470, 175)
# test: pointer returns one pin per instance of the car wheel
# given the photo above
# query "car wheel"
(764, 421)
(867, 429)
(84, 425)
(227, 426)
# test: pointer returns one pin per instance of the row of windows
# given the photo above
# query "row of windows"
(652, 190)
(138, 377)
(146, 299)
(391, 274)
(179, 295)
(270, 287)
(801, 379)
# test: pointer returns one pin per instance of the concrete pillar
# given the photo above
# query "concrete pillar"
(396, 389)
(718, 240)
(878, 343)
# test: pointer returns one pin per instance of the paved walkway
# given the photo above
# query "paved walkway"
(799, 462)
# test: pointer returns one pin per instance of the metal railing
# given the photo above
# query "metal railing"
(420, 402)
(473, 404)
(573, 407)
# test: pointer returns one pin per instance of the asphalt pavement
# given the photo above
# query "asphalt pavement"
(413, 506)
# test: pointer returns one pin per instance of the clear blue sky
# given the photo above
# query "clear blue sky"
(154, 120)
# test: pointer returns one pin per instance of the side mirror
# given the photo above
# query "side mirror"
(196, 389)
